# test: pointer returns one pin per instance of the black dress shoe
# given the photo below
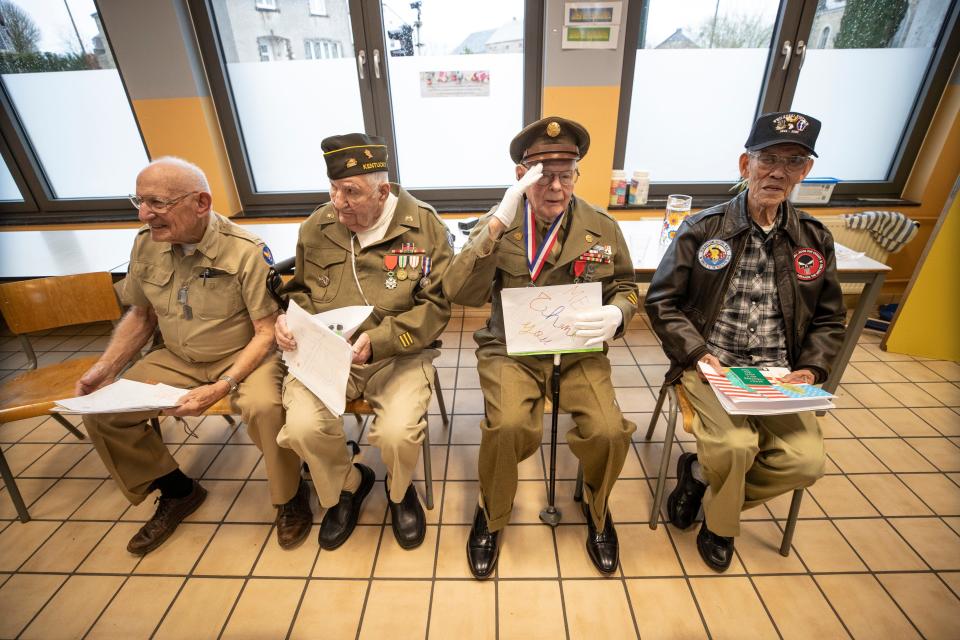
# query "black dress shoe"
(407, 518)
(339, 520)
(603, 547)
(716, 551)
(169, 514)
(684, 502)
(483, 547)
(294, 519)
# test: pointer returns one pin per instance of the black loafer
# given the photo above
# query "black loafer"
(339, 520)
(407, 518)
(603, 547)
(483, 547)
(716, 551)
(684, 502)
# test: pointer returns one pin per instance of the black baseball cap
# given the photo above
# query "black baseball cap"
(784, 127)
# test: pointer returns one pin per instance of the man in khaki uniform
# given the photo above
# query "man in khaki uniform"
(203, 281)
(372, 244)
(588, 246)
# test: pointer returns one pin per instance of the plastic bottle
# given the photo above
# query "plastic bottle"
(618, 188)
(639, 187)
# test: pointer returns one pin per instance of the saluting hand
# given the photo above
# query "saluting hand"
(507, 210)
(285, 339)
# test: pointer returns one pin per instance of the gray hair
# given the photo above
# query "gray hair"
(376, 178)
(191, 172)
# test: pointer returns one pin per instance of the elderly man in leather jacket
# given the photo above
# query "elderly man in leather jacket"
(751, 282)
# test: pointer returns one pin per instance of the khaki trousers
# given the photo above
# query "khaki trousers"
(398, 390)
(135, 455)
(514, 391)
(748, 460)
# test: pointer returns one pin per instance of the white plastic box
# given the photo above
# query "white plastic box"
(813, 191)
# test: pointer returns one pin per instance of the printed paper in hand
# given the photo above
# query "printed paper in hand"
(122, 396)
(539, 320)
(345, 320)
(321, 360)
(759, 392)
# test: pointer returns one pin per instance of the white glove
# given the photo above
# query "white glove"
(507, 210)
(599, 326)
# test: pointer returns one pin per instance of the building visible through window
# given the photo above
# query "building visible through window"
(318, 7)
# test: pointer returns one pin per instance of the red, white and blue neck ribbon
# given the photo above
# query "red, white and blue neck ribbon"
(536, 258)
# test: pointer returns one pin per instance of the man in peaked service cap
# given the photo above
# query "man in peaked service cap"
(574, 243)
(749, 283)
(372, 244)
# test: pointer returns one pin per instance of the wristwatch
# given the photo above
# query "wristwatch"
(230, 381)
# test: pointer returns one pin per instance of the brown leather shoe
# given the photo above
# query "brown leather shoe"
(294, 519)
(170, 513)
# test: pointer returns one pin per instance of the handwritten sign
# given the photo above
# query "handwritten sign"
(539, 320)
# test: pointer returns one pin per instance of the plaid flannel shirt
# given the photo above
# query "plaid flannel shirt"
(749, 331)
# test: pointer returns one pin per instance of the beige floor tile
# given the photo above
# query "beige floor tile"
(462, 463)
(463, 609)
(947, 393)
(647, 552)
(879, 545)
(352, 560)
(572, 549)
(22, 596)
(527, 551)
(912, 395)
(49, 431)
(253, 504)
(15, 431)
(942, 495)
(111, 555)
(650, 454)
(937, 543)
(953, 523)
(531, 497)
(897, 455)
(918, 372)
(233, 550)
(597, 609)
(952, 579)
(731, 608)
(621, 356)
(465, 429)
(621, 376)
(143, 511)
(20, 540)
(631, 501)
(374, 509)
(664, 608)
(852, 457)
(297, 562)
(530, 609)
(201, 608)
(905, 422)
(468, 401)
(386, 597)
(693, 564)
(331, 610)
(945, 369)
(823, 549)
(180, 552)
(759, 549)
(63, 498)
(852, 375)
(220, 496)
(137, 609)
(865, 608)
(459, 501)
(798, 608)
(943, 419)
(393, 561)
(840, 499)
(194, 459)
(71, 612)
(235, 462)
(872, 395)
(831, 427)
(57, 461)
(844, 400)
(888, 494)
(30, 489)
(265, 609)
(880, 372)
(862, 423)
(941, 452)
(631, 400)
(451, 555)
(886, 356)
(649, 355)
(106, 503)
(915, 592)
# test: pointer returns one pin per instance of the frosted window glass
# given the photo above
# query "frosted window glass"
(8, 188)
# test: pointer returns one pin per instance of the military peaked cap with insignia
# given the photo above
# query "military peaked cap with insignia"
(787, 127)
(352, 154)
(551, 138)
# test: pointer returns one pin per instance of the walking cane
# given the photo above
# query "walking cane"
(550, 515)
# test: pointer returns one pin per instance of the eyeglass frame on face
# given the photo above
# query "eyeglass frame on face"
(547, 178)
(763, 159)
(163, 207)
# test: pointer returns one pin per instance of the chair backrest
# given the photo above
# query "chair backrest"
(60, 301)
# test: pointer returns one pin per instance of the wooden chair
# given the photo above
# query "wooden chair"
(29, 306)
(679, 402)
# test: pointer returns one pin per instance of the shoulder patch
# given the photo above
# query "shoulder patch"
(267, 255)
(714, 254)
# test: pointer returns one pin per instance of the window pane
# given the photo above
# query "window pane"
(691, 109)
(59, 72)
(456, 86)
(8, 188)
(861, 78)
(288, 95)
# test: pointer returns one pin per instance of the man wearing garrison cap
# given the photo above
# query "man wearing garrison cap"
(372, 244)
(574, 242)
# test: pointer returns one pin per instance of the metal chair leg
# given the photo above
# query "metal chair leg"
(578, 489)
(428, 467)
(230, 421)
(155, 423)
(791, 522)
(68, 426)
(656, 412)
(664, 459)
(439, 392)
(12, 489)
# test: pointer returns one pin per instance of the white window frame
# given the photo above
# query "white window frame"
(266, 5)
(317, 7)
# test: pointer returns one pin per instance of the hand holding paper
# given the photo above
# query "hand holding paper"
(599, 326)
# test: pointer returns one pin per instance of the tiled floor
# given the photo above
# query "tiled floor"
(876, 554)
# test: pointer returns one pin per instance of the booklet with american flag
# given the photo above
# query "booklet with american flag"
(760, 392)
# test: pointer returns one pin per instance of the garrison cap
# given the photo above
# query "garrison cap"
(352, 154)
(551, 138)
(786, 127)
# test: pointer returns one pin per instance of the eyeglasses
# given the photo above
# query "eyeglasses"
(771, 160)
(566, 178)
(158, 205)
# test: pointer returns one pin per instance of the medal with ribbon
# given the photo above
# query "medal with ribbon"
(427, 265)
(537, 257)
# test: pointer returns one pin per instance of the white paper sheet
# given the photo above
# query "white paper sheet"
(540, 320)
(348, 319)
(123, 396)
(321, 360)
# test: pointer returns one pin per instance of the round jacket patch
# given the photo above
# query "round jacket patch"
(267, 255)
(714, 254)
(808, 263)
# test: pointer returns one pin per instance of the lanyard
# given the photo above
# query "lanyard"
(536, 258)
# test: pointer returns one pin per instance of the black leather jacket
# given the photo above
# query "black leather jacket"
(685, 297)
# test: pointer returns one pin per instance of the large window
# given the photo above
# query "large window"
(702, 70)
(446, 83)
(66, 119)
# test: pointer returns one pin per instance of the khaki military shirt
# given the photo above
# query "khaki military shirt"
(486, 265)
(225, 283)
(409, 314)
